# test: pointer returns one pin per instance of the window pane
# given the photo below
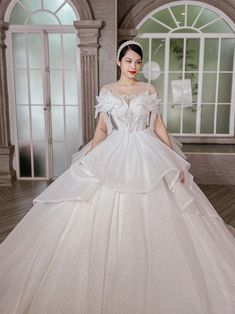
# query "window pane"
(225, 87)
(206, 17)
(179, 13)
(184, 30)
(58, 158)
(72, 124)
(218, 27)
(23, 126)
(18, 15)
(66, 15)
(189, 120)
(165, 17)
(172, 77)
(223, 116)
(145, 45)
(159, 85)
(39, 159)
(43, 18)
(52, 5)
(211, 54)
(179, 88)
(192, 54)
(151, 26)
(35, 50)
(21, 87)
(173, 119)
(55, 51)
(193, 12)
(31, 5)
(207, 119)
(38, 124)
(176, 54)
(19, 50)
(173, 111)
(25, 160)
(57, 113)
(36, 87)
(227, 54)
(72, 149)
(70, 49)
(209, 87)
(56, 84)
(71, 94)
(193, 77)
(158, 52)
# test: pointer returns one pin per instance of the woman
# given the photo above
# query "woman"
(125, 229)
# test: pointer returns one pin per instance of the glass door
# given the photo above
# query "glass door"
(46, 103)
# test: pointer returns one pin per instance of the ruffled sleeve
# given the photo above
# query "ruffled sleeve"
(104, 107)
(153, 107)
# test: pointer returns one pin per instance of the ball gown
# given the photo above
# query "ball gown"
(118, 233)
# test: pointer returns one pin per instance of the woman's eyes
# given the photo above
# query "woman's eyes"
(129, 61)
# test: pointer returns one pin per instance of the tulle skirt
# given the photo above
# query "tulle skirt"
(118, 233)
(119, 254)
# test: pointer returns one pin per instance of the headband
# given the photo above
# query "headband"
(127, 43)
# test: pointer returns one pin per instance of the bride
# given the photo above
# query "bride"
(125, 230)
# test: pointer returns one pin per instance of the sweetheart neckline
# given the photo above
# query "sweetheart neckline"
(130, 97)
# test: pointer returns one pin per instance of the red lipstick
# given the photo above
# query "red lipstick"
(132, 72)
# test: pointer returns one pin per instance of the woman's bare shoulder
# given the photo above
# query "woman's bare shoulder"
(107, 87)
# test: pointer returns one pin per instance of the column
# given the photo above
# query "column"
(88, 33)
(7, 174)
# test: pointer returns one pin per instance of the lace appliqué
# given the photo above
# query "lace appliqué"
(123, 113)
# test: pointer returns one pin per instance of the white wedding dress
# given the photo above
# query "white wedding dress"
(118, 233)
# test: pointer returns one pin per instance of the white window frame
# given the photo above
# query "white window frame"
(201, 36)
(13, 3)
(26, 29)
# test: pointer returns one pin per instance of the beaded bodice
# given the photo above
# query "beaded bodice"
(127, 113)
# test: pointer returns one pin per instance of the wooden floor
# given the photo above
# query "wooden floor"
(15, 202)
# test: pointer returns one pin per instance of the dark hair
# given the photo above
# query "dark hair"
(133, 47)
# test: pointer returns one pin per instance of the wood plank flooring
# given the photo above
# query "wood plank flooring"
(15, 202)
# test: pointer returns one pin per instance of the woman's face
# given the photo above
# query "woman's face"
(130, 64)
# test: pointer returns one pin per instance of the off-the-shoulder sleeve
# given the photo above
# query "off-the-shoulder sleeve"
(153, 106)
(104, 107)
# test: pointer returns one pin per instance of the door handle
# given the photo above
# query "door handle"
(47, 105)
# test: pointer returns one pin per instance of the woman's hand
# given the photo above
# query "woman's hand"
(182, 177)
(87, 151)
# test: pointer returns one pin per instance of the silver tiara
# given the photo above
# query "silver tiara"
(127, 43)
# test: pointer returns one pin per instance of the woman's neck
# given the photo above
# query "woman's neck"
(124, 81)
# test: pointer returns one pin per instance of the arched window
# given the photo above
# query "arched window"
(41, 12)
(43, 86)
(189, 57)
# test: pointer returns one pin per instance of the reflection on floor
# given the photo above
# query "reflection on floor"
(15, 202)
(212, 163)
(209, 148)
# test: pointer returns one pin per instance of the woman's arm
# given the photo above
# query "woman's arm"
(100, 133)
(161, 131)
